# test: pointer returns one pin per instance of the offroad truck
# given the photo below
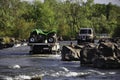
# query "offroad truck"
(41, 41)
(85, 35)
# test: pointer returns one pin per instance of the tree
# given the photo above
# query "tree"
(20, 17)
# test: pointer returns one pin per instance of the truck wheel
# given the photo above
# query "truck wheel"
(51, 40)
(32, 39)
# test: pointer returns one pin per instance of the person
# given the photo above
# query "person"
(71, 45)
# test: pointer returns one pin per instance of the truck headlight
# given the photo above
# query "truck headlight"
(89, 37)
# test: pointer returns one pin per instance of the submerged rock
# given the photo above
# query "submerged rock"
(22, 77)
(16, 66)
(36, 78)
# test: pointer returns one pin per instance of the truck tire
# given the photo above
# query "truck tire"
(51, 40)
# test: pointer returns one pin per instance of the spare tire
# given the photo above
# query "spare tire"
(51, 40)
(32, 39)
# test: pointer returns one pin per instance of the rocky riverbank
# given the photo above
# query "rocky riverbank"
(104, 54)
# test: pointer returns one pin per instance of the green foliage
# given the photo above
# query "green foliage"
(18, 18)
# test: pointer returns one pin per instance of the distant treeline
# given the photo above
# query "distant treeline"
(18, 18)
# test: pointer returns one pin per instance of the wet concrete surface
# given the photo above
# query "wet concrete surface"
(17, 64)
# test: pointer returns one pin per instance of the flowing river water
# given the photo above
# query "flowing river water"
(17, 64)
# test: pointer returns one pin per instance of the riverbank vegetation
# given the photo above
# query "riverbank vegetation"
(18, 18)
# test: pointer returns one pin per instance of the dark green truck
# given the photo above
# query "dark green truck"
(41, 41)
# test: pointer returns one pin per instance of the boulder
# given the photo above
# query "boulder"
(117, 51)
(99, 62)
(70, 53)
(108, 56)
(106, 63)
(87, 54)
(105, 55)
(106, 49)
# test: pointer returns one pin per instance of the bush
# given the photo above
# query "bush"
(6, 40)
(116, 32)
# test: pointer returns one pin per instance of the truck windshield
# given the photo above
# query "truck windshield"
(85, 31)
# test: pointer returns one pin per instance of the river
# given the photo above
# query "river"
(17, 64)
